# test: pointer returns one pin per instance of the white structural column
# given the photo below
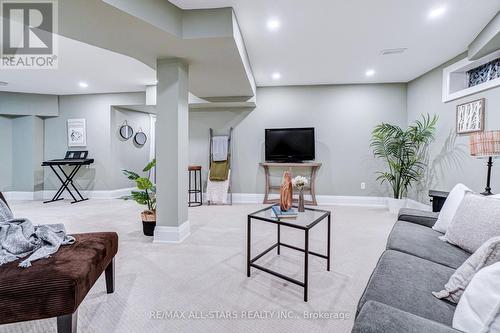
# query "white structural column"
(172, 225)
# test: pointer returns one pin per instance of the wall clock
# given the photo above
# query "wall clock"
(140, 138)
(126, 131)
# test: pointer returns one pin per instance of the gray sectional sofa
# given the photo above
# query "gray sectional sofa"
(398, 296)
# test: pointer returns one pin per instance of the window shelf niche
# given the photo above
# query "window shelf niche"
(455, 78)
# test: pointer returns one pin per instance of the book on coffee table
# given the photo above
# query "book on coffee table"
(291, 213)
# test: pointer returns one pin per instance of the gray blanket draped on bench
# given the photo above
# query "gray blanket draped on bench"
(19, 238)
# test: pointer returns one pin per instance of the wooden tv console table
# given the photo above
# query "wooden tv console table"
(314, 166)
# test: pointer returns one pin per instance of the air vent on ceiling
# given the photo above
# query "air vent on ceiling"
(393, 51)
(2, 83)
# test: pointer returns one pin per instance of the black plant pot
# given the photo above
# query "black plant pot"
(148, 228)
(148, 222)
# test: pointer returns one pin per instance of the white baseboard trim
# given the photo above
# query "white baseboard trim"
(21, 195)
(48, 194)
(240, 198)
(164, 234)
(113, 194)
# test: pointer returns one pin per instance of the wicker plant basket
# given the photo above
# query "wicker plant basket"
(148, 216)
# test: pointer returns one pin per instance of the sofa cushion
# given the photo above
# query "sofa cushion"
(450, 207)
(406, 282)
(56, 285)
(376, 317)
(424, 242)
(476, 220)
(427, 219)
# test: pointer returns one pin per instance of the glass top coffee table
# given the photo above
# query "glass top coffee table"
(304, 221)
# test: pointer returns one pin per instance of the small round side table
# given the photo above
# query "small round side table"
(195, 174)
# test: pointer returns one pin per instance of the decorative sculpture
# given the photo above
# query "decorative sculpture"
(286, 191)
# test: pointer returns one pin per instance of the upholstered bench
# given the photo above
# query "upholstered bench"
(55, 286)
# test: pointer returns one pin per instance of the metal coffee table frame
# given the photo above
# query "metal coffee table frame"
(288, 223)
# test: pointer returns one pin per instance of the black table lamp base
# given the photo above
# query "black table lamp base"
(487, 190)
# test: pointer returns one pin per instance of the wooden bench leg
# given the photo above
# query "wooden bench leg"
(67, 323)
(110, 277)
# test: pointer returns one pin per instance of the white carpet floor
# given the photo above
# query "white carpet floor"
(202, 282)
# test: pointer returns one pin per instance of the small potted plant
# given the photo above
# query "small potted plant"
(146, 195)
(299, 182)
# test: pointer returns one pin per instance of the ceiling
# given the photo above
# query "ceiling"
(338, 41)
(318, 42)
(113, 46)
(151, 30)
(102, 70)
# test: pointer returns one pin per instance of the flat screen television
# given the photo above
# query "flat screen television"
(290, 144)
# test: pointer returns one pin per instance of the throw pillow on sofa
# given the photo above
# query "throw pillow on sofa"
(479, 307)
(486, 255)
(450, 207)
(477, 220)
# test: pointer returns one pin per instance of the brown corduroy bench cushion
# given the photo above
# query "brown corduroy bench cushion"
(56, 286)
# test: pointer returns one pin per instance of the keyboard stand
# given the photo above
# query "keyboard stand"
(66, 183)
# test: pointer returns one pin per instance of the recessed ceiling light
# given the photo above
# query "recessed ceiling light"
(370, 72)
(437, 12)
(273, 24)
(276, 76)
(83, 84)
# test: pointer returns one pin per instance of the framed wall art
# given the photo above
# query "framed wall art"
(470, 117)
(77, 133)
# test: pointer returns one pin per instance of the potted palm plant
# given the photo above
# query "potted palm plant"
(403, 151)
(146, 195)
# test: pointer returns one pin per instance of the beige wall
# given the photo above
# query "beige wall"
(111, 154)
(342, 115)
(449, 158)
(5, 153)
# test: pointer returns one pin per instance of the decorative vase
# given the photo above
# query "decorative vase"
(286, 192)
(301, 201)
